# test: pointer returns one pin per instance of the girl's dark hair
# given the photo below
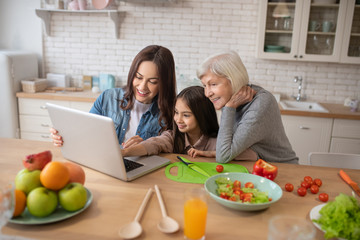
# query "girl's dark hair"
(164, 60)
(204, 113)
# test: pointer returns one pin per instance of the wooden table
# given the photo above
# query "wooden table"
(116, 202)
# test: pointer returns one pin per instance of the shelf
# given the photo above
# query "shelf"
(45, 15)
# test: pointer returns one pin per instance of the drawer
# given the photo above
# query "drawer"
(345, 145)
(40, 124)
(346, 128)
(31, 106)
(36, 136)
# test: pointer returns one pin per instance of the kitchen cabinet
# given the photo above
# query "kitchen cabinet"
(309, 31)
(34, 118)
(45, 15)
(345, 136)
(351, 44)
(308, 134)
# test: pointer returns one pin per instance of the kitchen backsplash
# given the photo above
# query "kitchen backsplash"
(85, 44)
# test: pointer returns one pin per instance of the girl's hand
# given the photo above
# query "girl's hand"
(192, 152)
(244, 95)
(132, 141)
(56, 138)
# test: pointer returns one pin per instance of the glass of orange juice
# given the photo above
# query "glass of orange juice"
(195, 212)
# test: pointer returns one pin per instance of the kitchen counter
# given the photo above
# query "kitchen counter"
(335, 110)
(81, 96)
(116, 203)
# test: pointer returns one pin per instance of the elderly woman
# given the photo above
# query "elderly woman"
(250, 116)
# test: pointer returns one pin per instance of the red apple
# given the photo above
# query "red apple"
(37, 161)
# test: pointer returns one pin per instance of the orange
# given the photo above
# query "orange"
(77, 174)
(55, 175)
(20, 202)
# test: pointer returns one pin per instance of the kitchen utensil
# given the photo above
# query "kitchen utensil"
(134, 229)
(263, 184)
(179, 172)
(167, 224)
(193, 166)
(348, 180)
(101, 4)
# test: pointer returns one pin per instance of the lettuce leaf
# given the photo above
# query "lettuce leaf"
(341, 218)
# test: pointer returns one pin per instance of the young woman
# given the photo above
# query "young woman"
(145, 107)
(254, 124)
(195, 129)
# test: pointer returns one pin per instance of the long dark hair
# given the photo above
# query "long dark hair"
(164, 60)
(204, 113)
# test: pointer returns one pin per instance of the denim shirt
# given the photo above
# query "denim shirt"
(108, 104)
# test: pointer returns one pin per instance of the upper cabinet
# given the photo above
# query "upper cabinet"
(351, 42)
(309, 30)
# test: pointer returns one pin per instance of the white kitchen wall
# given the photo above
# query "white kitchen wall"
(85, 44)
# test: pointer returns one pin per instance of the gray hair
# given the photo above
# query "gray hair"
(227, 65)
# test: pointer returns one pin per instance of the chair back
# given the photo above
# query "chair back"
(335, 160)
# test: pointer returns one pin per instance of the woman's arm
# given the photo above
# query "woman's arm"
(240, 130)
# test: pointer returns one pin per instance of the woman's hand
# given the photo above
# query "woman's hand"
(244, 95)
(57, 139)
(192, 152)
(132, 141)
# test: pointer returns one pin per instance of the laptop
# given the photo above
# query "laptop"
(91, 140)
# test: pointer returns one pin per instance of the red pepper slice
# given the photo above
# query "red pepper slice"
(265, 169)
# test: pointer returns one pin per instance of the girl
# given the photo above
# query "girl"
(144, 108)
(195, 130)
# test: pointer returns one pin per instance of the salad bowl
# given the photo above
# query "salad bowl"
(262, 184)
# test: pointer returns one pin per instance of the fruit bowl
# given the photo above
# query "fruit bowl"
(261, 183)
(58, 215)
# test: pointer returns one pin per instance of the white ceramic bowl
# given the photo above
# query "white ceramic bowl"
(263, 184)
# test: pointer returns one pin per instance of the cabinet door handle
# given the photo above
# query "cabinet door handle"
(43, 107)
(44, 125)
(295, 56)
(305, 128)
(300, 56)
(45, 136)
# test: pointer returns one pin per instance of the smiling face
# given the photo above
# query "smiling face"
(217, 89)
(185, 119)
(146, 82)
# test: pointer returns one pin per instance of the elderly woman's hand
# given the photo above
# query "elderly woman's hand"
(57, 139)
(244, 95)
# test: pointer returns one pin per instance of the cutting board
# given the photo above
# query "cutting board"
(187, 175)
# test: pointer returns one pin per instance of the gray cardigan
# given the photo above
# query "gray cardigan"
(256, 125)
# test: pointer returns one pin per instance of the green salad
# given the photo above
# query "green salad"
(341, 218)
(233, 191)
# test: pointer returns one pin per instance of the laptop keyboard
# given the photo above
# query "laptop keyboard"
(131, 165)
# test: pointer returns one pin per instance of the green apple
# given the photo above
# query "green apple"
(73, 197)
(27, 180)
(41, 202)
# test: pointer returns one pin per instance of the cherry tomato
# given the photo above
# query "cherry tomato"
(308, 179)
(237, 184)
(289, 187)
(323, 197)
(249, 185)
(301, 191)
(318, 182)
(305, 184)
(314, 189)
(219, 168)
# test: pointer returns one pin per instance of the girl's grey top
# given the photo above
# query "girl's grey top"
(256, 125)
